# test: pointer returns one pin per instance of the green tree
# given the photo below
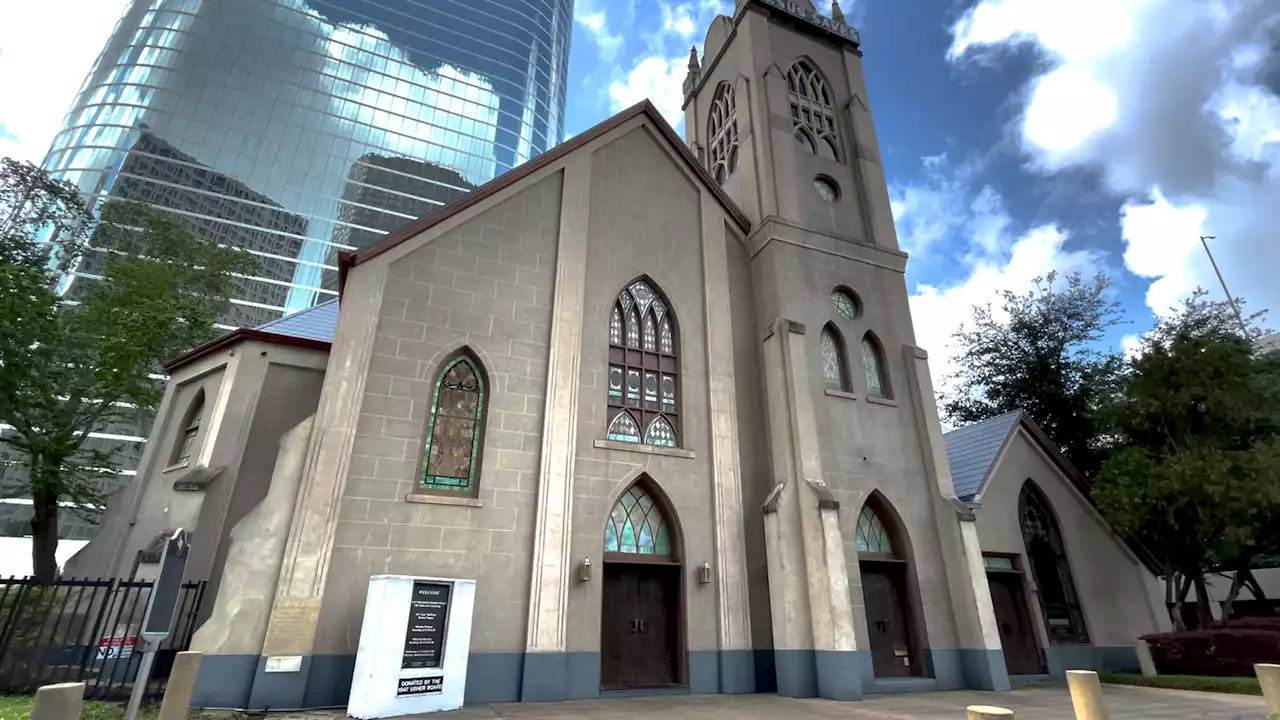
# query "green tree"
(1040, 352)
(143, 288)
(1195, 473)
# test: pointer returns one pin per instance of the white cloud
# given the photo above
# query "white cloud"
(678, 20)
(1167, 100)
(937, 312)
(41, 71)
(657, 78)
(659, 74)
(941, 205)
(595, 21)
(945, 206)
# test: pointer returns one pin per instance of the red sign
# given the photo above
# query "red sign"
(116, 646)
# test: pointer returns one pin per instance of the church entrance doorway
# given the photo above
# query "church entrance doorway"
(641, 642)
(887, 591)
(638, 633)
(1017, 637)
(884, 591)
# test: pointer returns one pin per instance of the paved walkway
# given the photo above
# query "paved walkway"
(1038, 702)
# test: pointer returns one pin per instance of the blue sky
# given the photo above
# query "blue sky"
(1023, 136)
(1018, 136)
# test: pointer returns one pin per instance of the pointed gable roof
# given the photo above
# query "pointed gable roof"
(311, 329)
(348, 260)
(973, 449)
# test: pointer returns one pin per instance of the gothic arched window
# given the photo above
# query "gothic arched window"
(643, 369)
(455, 428)
(872, 537)
(835, 369)
(1047, 557)
(874, 367)
(637, 526)
(722, 133)
(185, 444)
(813, 114)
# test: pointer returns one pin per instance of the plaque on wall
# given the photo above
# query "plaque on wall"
(420, 686)
(424, 636)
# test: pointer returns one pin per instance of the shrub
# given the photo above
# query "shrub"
(1223, 652)
(1270, 624)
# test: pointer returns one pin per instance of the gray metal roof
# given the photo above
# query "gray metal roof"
(315, 323)
(973, 449)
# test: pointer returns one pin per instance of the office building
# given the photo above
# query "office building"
(296, 128)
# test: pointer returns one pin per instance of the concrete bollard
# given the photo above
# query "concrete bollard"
(182, 681)
(1086, 695)
(987, 712)
(1145, 661)
(63, 701)
(1269, 679)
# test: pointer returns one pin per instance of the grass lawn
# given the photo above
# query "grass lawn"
(1237, 685)
(18, 707)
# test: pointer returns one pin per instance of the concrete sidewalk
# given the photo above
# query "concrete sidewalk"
(1039, 702)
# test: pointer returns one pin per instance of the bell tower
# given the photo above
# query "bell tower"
(777, 110)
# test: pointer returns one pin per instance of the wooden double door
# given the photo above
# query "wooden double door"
(1017, 636)
(884, 591)
(639, 627)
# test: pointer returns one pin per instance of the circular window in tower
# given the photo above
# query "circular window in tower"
(827, 188)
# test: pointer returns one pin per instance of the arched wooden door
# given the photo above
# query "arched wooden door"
(641, 644)
(886, 588)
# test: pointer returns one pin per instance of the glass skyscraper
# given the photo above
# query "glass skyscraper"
(298, 128)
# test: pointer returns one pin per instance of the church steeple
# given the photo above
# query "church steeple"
(776, 108)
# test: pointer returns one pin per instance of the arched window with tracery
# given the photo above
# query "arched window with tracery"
(455, 428)
(722, 132)
(636, 525)
(1047, 556)
(835, 366)
(873, 366)
(813, 113)
(643, 368)
(184, 445)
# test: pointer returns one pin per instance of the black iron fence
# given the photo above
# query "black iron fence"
(80, 630)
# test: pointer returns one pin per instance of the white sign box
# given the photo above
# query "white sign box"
(413, 649)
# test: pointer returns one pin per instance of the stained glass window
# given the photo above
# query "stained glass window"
(846, 304)
(636, 526)
(453, 435)
(643, 368)
(615, 328)
(185, 446)
(872, 537)
(659, 432)
(723, 131)
(812, 110)
(623, 428)
(1047, 556)
(873, 366)
(833, 372)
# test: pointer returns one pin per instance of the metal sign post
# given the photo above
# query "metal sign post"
(157, 621)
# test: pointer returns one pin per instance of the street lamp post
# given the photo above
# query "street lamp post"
(1204, 240)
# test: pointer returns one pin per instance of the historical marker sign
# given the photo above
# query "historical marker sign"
(420, 686)
(424, 636)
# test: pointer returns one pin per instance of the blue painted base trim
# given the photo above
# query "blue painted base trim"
(1061, 658)
(240, 681)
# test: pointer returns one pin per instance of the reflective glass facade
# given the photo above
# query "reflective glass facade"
(298, 128)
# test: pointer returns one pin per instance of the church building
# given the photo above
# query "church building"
(661, 399)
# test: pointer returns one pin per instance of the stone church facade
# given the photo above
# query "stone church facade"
(662, 400)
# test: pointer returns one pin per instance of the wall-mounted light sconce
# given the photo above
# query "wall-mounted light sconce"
(704, 573)
(584, 570)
